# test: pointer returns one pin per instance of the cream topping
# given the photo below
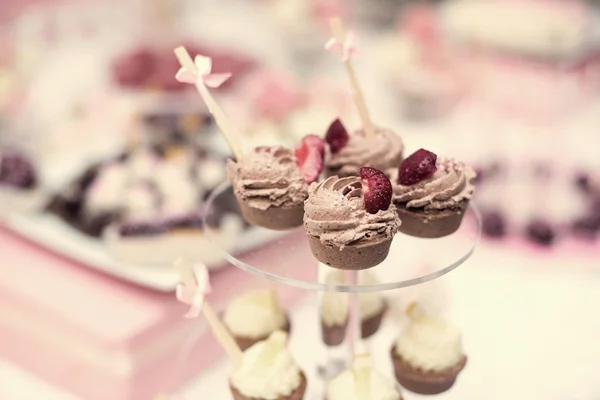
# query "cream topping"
(140, 202)
(335, 213)
(210, 173)
(382, 152)
(429, 343)
(267, 177)
(141, 164)
(344, 387)
(108, 189)
(254, 315)
(179, 192)
(446, 189)
(266, 372)
(334, 305)
(371, 303)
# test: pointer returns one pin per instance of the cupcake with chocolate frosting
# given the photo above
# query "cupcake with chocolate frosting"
(269, 187)
(346, 153)
(428, 354)
(350, 222)
(253, 316)
(431, 194)
(268, 372)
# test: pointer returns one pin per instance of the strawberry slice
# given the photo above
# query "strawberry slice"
(376, 188)
(310, 155)
(336, 136)
(418, 166)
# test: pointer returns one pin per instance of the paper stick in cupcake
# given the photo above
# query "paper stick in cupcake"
(194, 286)
(344, 44)
(198, 72)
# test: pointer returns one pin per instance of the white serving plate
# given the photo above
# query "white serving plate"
(52, 233)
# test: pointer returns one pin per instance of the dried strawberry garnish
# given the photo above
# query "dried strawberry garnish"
(418, 166)
(336, 136)
(377, 189)
(310, 156)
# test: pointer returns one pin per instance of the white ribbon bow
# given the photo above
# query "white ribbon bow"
(202, 74)
(347, 49)
(193, 293)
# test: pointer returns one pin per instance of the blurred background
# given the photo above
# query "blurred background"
(106, 163)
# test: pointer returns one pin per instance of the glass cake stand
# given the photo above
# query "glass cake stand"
(288, 260)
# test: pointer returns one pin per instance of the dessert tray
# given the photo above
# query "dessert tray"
(44, 215)
(51, 233)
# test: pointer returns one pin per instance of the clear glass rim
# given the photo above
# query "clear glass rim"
(323, 287)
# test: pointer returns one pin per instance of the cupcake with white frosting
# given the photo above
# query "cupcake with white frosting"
(268, 372)
(428, 354)
(334, 310)
(253, 316)
(362, 382)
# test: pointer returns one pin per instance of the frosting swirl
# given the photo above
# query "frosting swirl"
(430, 344)
(279, 379)
(267, 177)
(254, 315)
(446, 189)
(343, 387)
(335, 213)
(384, 152)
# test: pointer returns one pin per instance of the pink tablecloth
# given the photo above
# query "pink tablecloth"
(101, 338)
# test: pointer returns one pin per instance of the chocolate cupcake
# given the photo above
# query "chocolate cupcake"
(362, 382)
(268, 372)
(431, 194)
(428, 354)
(253, 316)
(269, 187)
(350, 222)
(345, 154)
(334, 310)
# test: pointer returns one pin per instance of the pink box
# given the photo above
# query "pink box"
(101, 338)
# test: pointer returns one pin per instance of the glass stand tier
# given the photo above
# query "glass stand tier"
(411, 261)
